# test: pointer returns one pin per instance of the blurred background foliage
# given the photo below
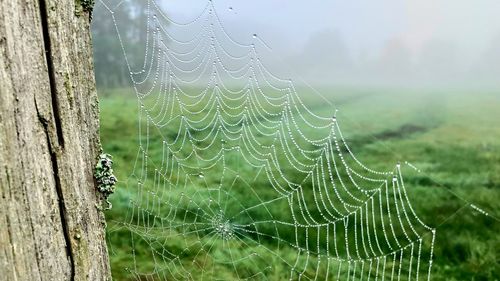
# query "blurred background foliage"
(110, 66)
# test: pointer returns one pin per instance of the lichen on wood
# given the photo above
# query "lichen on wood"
(105, 178)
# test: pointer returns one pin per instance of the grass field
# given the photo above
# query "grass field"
(452, 136)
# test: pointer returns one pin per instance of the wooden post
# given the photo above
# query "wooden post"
(51, 226)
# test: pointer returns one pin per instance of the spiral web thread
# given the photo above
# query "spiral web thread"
(234, 171)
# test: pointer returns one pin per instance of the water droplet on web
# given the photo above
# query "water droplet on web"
(230, 8)
(254, 36)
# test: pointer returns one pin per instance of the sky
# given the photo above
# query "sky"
(364, 24)
(365, 41)
(433, 35)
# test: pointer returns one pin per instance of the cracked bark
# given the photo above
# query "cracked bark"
(50, 228)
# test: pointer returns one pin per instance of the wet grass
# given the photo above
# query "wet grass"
(453, 137)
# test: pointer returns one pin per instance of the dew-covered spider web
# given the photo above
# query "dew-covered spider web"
(235, 172)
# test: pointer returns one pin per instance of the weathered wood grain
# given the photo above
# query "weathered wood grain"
(50, 227)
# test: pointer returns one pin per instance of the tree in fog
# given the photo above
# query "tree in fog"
(110, 67)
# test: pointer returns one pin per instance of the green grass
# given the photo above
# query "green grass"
(454, 137)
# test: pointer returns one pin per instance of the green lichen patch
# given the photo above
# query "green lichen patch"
(105, 178)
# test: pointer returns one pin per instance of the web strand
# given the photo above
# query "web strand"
(210, 116)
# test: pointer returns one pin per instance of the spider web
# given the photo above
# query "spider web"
(235, 174)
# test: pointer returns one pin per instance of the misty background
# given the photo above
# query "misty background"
(413, 81)
(387, 43)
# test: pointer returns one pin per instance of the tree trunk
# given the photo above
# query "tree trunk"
(51, 226)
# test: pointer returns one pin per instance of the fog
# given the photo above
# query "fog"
(445, 43)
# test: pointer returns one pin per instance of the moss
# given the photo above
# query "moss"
(86, 6)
